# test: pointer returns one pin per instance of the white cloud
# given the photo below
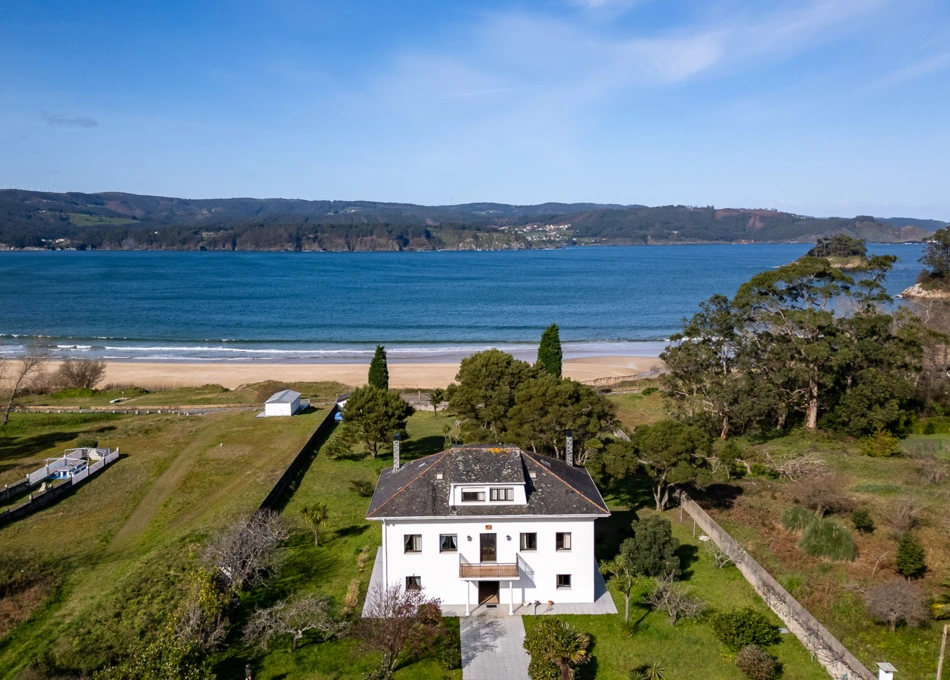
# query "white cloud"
(911, 72)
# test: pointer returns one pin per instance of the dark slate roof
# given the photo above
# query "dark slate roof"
(416, 491)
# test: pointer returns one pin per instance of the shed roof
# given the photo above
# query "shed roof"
(421, 487)
(284, 397)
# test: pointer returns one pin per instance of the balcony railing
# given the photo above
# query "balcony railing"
(488, 570)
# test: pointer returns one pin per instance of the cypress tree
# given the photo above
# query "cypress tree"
(911, 558)
(549, 351)
(379, 370)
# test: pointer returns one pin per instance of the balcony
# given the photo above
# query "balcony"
(492, 570)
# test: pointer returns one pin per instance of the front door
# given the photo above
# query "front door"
(488, 592)
(488, 552)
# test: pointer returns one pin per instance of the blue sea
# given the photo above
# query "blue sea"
(312, 307)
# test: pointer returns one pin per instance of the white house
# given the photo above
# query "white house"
(284, 403)
(489, 525)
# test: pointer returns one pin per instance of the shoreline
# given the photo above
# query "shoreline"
(402, 375)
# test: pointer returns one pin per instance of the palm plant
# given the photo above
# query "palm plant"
(651, 671)
(436, 396)
(569, 650)
(315, 516)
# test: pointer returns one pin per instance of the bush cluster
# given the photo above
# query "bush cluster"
(743, 627)
(757, 664)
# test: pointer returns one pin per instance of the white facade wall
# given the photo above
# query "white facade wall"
(282, 409)
(440, 571)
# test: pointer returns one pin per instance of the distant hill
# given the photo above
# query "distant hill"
(30, 219)
(929, 225)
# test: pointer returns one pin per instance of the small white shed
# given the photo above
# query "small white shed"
(285, 403)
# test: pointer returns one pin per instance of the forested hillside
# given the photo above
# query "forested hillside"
(118, 221)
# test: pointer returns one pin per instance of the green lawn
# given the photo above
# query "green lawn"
(832, 590)
(636, 409)
(115, 550)
(329, 568)
(689, 649)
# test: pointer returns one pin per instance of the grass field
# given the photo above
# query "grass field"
(751, 511)
(637, 409)
(688, 650)
(329, 568)
(84, 220)
(832, 591)
(113, 552)
(131, 396)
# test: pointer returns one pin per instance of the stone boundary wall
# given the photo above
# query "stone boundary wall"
(10, 490)
(273, 499)
(840, 663)
(38, 501)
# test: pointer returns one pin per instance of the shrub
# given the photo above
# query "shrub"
(756, 663)
(744, 627)
(861, 519)
(826, 496)
(881, 444)
(933, 472)
(903, 517)
(830, 540)
(87, 443)
(759, 470)
(911, 558)
(797, 518)
(647, 391)
(897, 602)
(452, 657)
(556, 649)
(81, 373)
(362, 487)
(930, 428)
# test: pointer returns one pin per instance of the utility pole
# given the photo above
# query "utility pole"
(943, 648)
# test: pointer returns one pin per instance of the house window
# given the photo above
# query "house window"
(472, 496)
(503, 494)
(563, 581)
(529, 541)
(562, 541)
(415, 582)
(448, 543)
(413, 543)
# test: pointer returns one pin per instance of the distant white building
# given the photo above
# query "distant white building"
(284, 403)
(489, 525)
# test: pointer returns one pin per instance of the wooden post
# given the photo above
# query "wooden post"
(943, 649)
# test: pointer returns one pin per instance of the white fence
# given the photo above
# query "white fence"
(46, 471)
(105, 456)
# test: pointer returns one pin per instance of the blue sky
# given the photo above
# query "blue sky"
(821, 107)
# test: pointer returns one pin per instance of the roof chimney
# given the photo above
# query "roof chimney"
(396, 452)
(569, 448)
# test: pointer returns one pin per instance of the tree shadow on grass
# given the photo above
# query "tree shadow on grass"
(422, 446)
(689, 555)
(719, 496)
(634, 492)
(13, 447)
(610, 532)
(352, 530)
(589, 670)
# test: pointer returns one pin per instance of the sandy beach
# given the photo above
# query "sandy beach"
(402, 375)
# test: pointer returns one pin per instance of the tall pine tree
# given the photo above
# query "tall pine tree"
(549, 351)
(379, 370)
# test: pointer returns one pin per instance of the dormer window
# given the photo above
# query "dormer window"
(503, 494)
(473, 496)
